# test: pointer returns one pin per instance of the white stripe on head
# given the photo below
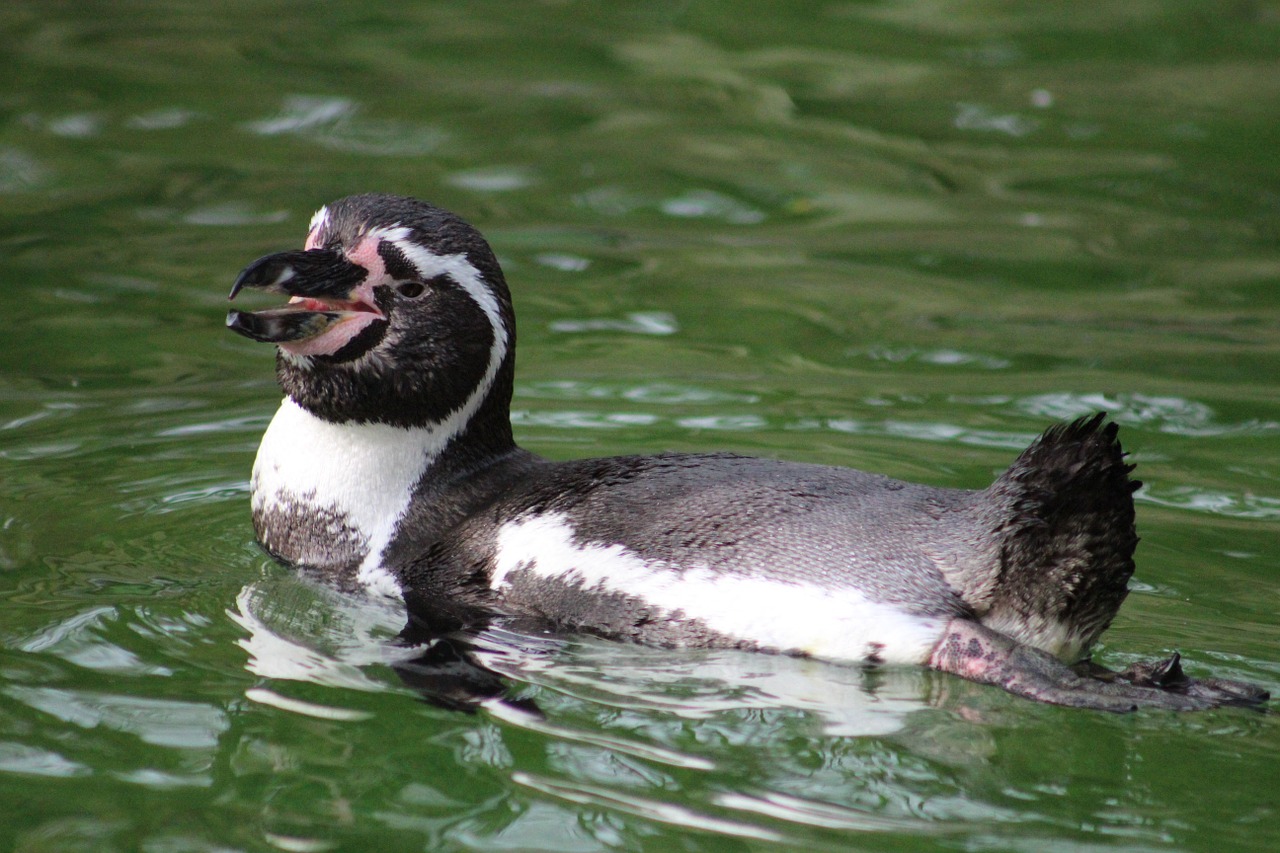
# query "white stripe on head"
(465, 275)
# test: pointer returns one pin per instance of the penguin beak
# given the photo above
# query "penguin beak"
(327, 291)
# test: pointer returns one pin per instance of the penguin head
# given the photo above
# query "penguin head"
(398, 313)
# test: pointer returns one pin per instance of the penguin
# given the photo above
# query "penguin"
(391, 466)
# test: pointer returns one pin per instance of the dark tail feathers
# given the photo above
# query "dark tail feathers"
(1066, 545)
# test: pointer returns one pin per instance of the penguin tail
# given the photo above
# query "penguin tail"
(1065, 538)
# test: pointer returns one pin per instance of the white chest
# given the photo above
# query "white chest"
(336, 490)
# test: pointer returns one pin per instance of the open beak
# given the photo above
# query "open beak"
(327, 292)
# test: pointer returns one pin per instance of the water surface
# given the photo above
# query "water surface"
(904, 237)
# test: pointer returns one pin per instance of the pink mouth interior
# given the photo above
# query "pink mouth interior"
(362, 311)
(359, 315)
(306, 303)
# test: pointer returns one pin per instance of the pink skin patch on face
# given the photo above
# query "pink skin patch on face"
(365, 253)
(341, 333)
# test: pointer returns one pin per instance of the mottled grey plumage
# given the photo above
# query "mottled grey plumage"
(405, 388)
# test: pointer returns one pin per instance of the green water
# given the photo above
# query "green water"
(898, 236)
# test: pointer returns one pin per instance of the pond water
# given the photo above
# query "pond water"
(901, 236)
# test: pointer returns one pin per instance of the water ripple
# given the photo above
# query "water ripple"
(814, 813)
(636, 323)
(660, 393)
(1175, 415)
(655, 810)
(333, 123)
(77, 640)
(32, 761)
(162, 119)
(708, 204)
(301, 113)
(307, 709)
(582, 420)
(982, 118)
(1196, 499)
(715, 685)
(233, 213)
(19, 171)
(938, 432)
(160, 722)
(726, 423)
(496, 179)
(563, 261)
(250, 423)
(303, 632)
(1172, 415)
(75, 125)
(31, 452)
(940, 357)
(610, 743)
(151, 778)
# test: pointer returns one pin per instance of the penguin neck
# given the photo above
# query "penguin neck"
(331, 496)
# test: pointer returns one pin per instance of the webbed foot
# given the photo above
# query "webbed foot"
(1167, 675)
(975, 652)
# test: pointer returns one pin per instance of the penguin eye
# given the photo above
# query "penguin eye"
(410, 289)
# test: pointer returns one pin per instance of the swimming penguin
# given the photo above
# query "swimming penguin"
(391, 465)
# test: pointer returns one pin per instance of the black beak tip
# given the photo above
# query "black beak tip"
(270, 272)
(307, 272)
(246, 323)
